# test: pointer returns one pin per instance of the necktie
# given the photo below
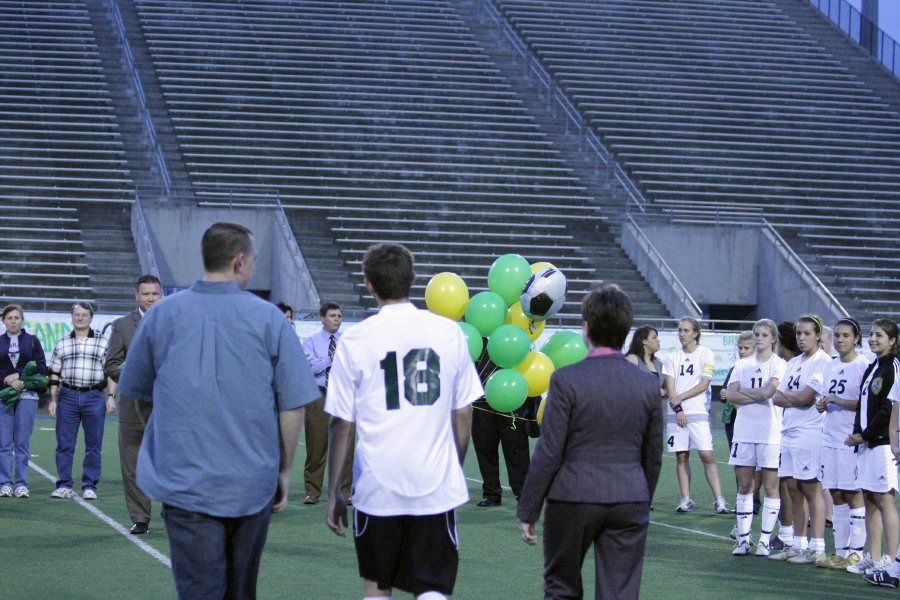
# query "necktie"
(332, 344)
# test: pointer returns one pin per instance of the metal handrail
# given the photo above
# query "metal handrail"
(141, 234)
(656, 257)
(302, 268)
(820, 288)
(848, 19)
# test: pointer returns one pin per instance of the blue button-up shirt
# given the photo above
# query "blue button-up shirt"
(218, 363)
(316, 348)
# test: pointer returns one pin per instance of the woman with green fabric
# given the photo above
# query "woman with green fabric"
(18, 348)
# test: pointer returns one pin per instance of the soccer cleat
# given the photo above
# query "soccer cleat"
(851, 559)
(777, 544)
(741, 549)
(6, 491)
(762, 549)
(828, 561)
(786, 553)
(859, 568)
(686, 505)
(89, 494)
(22, 492)
(806, 557)
(62, 492)
(720, 507)
(882, 577)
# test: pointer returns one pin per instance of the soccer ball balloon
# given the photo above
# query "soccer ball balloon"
(544, 294)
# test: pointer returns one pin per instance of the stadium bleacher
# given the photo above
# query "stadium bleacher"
(729, 111)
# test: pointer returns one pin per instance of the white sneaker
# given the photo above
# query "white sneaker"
(62, 492)
(862, 566)
(785, 554)
(22, 492)
(807, 557)
(762, 549)
(881, 565)
(6, 491)
(720, 507)
(89, 494)
(741, 549)
(686, 505)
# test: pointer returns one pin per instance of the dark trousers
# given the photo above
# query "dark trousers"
(74, 410)
(316, 423)
(133, 416)
(215, 557)
(618, 533)
(491, 430)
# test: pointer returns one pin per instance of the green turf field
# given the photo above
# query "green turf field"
(60, 549)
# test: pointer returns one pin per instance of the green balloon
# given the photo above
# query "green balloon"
(508, 345)
(565, 348)
(486, 312)
(473, 340)
(506, 390)
(507, 277)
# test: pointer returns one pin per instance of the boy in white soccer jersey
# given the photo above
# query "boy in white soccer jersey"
(688, 374)
(405, 378)
(757, 434)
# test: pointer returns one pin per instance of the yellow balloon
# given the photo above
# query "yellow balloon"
(541, 265)
(537, 369)
(540, 413)
(447, 295)
(515, 316)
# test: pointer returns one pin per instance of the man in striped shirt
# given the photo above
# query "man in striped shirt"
(77, 382)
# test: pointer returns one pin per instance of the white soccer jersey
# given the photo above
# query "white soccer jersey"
(760, 422)
(843, 380)
(689, 369)
(804, 372)
(398, 375)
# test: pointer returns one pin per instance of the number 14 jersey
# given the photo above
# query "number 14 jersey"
(399, 375)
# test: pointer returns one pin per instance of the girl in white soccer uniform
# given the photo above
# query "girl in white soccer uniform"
(757, 434)
(874, 433)
(688, 374)
(839, 399)
(801, 441)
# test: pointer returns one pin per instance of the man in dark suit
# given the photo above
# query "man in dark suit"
(133, 415)
(597, 461)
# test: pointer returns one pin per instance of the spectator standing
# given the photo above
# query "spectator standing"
(228, 382)
(133, 415)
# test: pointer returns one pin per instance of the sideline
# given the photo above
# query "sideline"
(109, 521)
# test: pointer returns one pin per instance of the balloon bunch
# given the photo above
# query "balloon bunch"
(498, 316)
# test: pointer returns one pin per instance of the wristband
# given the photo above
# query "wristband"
(677, 409)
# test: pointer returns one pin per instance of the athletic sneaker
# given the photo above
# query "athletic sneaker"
(883, 578)
(686, 505)
(786, 553)
(762, 549)
(859, 568)
(720, 507)
(777, 544)
(807, 557)
(830, 560)
(6, 491)
(851, 559)
(741, 549)
(22, 492)
(62, 492)
(733, 534)
(89, 494)
(885, 562)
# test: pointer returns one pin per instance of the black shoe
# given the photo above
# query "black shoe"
(140, 528)
(487, 502)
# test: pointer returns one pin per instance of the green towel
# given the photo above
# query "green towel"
(32, 380)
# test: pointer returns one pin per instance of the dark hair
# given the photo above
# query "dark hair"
(636, 346)
(787, 337)
(608, 314)
(222, 242)
(11, 307)
(285, 307)
(147, 279)
(389, 269)
(854, 324)
(83, 304)
(695, 323)
(890, 328)
(326, 306)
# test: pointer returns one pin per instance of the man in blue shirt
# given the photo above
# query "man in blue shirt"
(228, 381)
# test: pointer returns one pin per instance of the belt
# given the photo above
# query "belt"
(90, 388)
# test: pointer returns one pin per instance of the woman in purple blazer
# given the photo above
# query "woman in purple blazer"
(597, 460)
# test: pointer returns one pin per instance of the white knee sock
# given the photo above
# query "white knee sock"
(841, 528)
(770, 509)
(857, 539)
(744, 508)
